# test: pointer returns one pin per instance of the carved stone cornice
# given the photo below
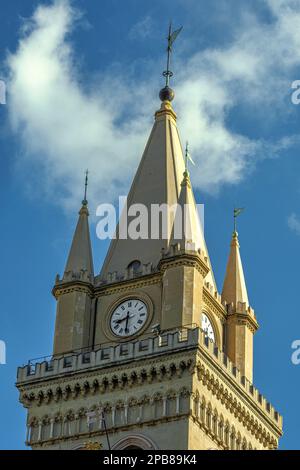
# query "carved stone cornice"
(244, 319)
(128, 284)
(184, 259)
(106, 380)
(72, 286)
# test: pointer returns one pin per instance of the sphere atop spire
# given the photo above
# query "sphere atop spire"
(166, 94)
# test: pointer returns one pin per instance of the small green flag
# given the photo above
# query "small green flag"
(238, 211)
(188, 156)
(172, 37)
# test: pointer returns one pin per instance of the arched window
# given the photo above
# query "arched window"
(196, 406)
(227, 432)
(215, 423)
(135, 441)
(238, 442)
(208, 417)
(132, 447)
(232, 439)
(202, 411)
(221, 430)
(134, 266)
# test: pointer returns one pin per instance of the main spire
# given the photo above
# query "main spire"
(161, 181)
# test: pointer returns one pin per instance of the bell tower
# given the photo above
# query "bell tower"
(147, 353)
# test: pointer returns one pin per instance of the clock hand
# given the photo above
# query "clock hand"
(121, 319)
(126, 325)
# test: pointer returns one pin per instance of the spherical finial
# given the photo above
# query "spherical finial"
(166, 94)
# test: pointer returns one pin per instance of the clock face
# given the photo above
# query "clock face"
(129, 317)
(207, 327)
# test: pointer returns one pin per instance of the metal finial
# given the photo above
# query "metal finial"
(187, 157)
(84, 202)
(167, 73)
(236, 213)
(167, 93)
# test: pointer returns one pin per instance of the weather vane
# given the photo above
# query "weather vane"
(84, 202)
(236, 213)
(166, 93)
(171, 38)
(187, 157)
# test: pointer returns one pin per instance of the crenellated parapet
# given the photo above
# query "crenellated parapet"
(243, 313)
(157, 359)
(82, 275)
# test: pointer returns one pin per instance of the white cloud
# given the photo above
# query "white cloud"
(66, 126)
(142, 29)
(294, 223)
(255, 70)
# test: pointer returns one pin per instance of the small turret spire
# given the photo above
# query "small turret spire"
(187, 231)
(234, 288)
(80, 259)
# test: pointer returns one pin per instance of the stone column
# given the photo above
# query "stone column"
(164, 413)
(113, 416)
(178, 404)
(52, 420)
(40, 431)
(76, 424)
(126, 413)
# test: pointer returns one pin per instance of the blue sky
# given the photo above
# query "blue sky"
(83, 80)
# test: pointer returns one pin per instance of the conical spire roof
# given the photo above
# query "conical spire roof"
(80, 259)
(158, 181)
(234, 288)
(187, 229)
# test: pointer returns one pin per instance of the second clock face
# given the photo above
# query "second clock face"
(128, 318)
(207, 327)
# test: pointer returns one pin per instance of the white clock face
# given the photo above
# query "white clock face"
(129, 317)
(207, 327)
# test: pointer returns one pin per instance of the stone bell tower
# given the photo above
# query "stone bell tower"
(148, 349)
